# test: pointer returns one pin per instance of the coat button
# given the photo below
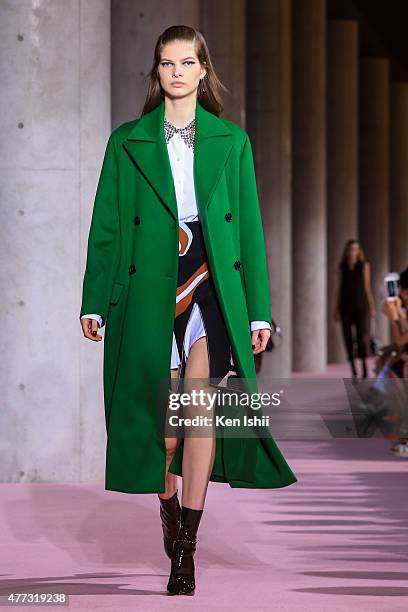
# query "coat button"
(237, 265)
(137, 220)
(132, 269)
(228, 216)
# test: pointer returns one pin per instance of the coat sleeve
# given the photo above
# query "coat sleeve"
(253, 253)
(103, 240)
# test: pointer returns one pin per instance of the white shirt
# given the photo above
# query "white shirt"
(181, 160)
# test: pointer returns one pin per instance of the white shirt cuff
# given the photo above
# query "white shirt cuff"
(96, 317)
(260, 325)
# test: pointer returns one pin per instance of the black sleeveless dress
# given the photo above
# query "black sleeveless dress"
(354, 309)
(353, 298)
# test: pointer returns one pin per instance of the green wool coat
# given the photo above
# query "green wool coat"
(131, 278)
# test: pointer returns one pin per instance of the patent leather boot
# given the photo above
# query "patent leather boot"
(182, 579)
(170, 512)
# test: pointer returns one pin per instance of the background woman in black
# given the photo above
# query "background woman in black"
(354, 302)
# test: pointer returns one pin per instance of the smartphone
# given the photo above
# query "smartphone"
(391, 282)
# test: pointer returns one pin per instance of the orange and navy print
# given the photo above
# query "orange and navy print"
(195, 285)
(195, 271)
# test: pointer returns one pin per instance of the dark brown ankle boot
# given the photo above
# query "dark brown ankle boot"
(182, 579)
(170, 512)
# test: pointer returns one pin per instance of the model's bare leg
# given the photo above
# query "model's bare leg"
(171, 447)
(199, 448)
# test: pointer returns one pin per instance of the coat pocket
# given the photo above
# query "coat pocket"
(116, 293)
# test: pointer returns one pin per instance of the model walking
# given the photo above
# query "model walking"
(176, 270)
(354, 303)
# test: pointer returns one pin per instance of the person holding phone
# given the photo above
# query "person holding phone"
(396, 309)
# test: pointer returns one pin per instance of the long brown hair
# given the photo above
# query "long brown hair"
(346, 248)
(208, 92)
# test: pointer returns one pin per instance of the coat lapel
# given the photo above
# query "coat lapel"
(147, 147)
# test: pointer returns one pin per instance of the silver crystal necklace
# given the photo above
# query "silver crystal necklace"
(187, 132)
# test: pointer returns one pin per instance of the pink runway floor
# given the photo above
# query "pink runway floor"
(336, 540)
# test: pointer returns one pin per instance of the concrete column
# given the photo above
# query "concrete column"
(309, 312)
(269, 127)
(136, 26)
(374, 176)
(223, 25)
(55, 120)
(399, 177)
(342, 161)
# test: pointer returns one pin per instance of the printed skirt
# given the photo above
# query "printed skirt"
(198, 311)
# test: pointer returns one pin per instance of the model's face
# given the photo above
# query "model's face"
(353, 251)
(179, 69)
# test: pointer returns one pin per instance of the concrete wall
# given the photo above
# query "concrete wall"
(55, 119)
